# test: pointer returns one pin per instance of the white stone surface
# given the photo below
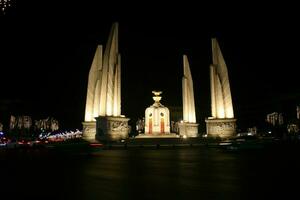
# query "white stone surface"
(112, 128)
(92, 97)
(188, 129)
(188, 93)
(166, 135)
(213, 92)
(220, 88)
(104, 84)
(110, 60)
(157, 117)
(222, 128)
(89, 131)
(221, 123)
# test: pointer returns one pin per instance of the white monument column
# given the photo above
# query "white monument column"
(188, 127)
(212, 91)
(103, 119)
(222, 122)
(93, 96)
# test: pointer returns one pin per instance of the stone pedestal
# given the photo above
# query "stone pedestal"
(223, 128)
(188, 129)
(168, 135)
(89, 131)
(111, 128)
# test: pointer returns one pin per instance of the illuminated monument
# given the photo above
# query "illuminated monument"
(157, 119)
(103, 119)
(221, 123)
(188, 127)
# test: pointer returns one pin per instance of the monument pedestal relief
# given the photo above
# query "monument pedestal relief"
(222, 128)
(221, 123)
(89, 130)
(111, 128)
(188, 129)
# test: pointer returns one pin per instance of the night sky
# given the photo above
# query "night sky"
(46, 50)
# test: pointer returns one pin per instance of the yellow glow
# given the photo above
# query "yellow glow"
(220, 88)
(229, 112)
(104, 85)
(188, 93)
(115, 113)
(109, 105)
(220, 112)
(89, 117)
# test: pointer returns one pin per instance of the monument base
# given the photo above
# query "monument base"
(160, 135)
(111, 128)
(188, 129)
(89, 131)
(222, 128)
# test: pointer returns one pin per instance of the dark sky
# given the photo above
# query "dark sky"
(47, 49)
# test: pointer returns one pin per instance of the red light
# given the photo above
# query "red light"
(96, 144)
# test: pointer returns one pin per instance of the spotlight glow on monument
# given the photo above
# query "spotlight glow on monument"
(222, 122)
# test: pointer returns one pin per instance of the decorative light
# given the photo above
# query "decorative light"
(61, 136)
(4, 5)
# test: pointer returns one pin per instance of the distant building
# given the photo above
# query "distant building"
(292, 128)
(20, 122)
(13, 122)
(275, 118)
(293, 125)
(48, 124)
(252, 130)
(27, 122)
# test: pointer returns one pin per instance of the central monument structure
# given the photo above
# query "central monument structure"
(222, 122)
(157, 120)
(103, 119)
